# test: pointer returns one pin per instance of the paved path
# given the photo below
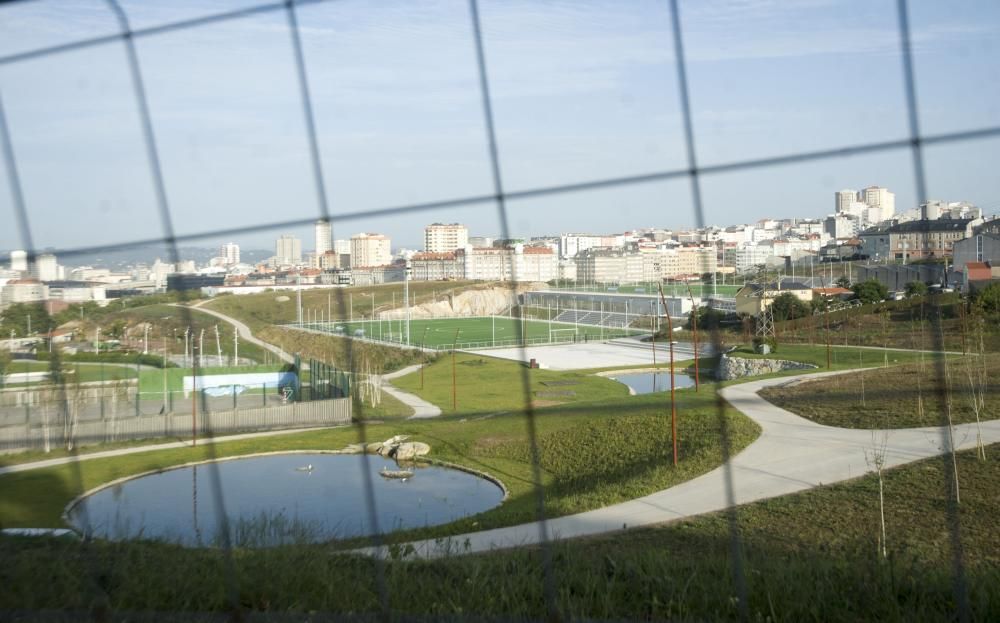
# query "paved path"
(792, 454)
(89, 456)
(244, 330)
(421, 408)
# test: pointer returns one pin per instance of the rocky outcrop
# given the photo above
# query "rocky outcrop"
(478, 302)
(394, 448)
(738, 367)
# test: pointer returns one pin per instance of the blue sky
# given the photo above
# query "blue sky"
(581, 90)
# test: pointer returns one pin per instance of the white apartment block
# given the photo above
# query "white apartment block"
(230, 254)
(749, 256)
(19, 261)
(46, 268)
(609, 266)
(881, 198)
(288, 251)
(323, 234)
(680, 262)
(370, 250)
(437, 266)
(442, 238)
(572, 244)
(23, 291)
(844, 199)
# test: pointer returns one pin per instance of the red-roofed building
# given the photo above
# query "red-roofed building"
(976, 275)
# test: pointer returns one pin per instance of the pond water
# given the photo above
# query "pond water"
(649, 382)
(271, 500)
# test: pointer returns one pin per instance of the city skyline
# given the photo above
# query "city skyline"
(582, 92)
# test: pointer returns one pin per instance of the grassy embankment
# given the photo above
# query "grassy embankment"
(77, 372)
(899, 396)
(809, 556)
(260, 310)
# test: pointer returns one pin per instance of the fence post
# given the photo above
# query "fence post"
(234, 397)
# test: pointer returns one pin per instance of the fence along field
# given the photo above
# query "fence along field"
(482, 332)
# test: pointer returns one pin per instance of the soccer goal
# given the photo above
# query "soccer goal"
(563, 335)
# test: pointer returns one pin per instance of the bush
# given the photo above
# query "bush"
(916, 288)
(870, 291)
(787, 306)
(988, 298)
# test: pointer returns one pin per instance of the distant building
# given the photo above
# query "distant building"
(980, 247)
(342, 247)
(370, 250)
(606, 265)
(437, 266)
(752, 299)
(288, 251)
(77, 291)
(924, 239)
(19, 261)
(23, 291)
(230, 254)
(45, 268)
(441, 238)
(324, 237)
(881, 199)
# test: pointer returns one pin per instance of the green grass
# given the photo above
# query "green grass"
(897, 397)
(442, 333)
(805, 557)
(76, 372)
(343, 353)
(591, 456)
(489, 385)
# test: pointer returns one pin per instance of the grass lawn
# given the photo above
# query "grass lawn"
(342, 352)
(442, 333)
(77, 372)
(811, 556)
(151, 381)
(897, 397)
(488, 385)
(841, 358)
(590, 457)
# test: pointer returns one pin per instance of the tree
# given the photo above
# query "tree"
(709, 319)
(870, 291)
(787, 306)
(916, 288)
(988, 298)
(18, 316)
(844, 282)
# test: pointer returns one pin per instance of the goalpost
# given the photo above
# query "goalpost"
(553, 334)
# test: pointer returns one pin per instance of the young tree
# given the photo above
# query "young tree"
(787, 306)
(870, 291)
(843, 282)
(988, 298)
(916, 288)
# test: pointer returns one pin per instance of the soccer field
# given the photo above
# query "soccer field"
(480, 332)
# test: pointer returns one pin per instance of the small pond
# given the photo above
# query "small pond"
(275, 500)
(649, 382)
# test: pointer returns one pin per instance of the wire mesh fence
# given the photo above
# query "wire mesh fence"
(539, 582)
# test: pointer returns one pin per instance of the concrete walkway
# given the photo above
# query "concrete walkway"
(421, 408)
(792, 454)
(243, 330)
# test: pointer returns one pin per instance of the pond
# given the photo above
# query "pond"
(649, 382)
(277, 500)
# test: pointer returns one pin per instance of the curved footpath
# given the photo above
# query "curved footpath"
(792, 454)
(243, 330)
(421, 408)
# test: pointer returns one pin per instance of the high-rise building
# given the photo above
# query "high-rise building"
(441, 238)
(324, 237)
(288, 250)
(843, 199)
(45, 268)
(342, 247)
(878, 197)
(370, 250)
(230, 253)
(19, 260)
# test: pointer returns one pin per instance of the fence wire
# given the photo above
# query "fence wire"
(499, 197)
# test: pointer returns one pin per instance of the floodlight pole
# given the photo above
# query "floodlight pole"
(694, 326)
(423, 341)
(406, 298)
(298, 298)
(194, 396)
(454, 375)
(673, 398)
